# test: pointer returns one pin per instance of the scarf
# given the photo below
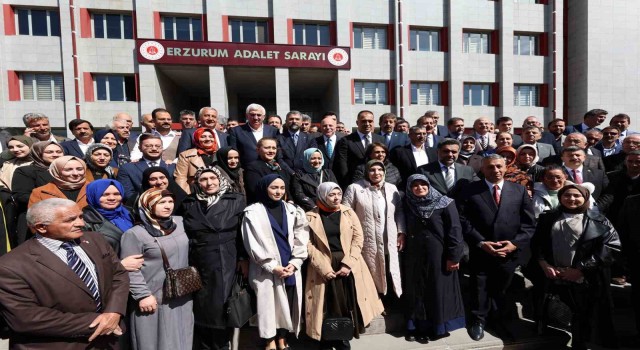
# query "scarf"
(465, 154)
(93, 166)
(533, 162)
(55, 168)
(211, 199)
(155, 227)
(37, 150)
(508, 149)
(201, 148)
(368, 166)
(308, 153)
(25, 140)
(273, 165)
(423, 207)
(323, 191)
(585, 194)
(119, 216)
(263, 185)
(223, 163)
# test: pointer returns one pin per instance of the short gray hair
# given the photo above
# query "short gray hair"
(201, 111)
(45, 211)
(255, 107)
(27, 118)
(306, 117)
(294, 112)
(493, 156)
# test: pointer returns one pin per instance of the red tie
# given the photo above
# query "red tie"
(496, 194)
(577, 177)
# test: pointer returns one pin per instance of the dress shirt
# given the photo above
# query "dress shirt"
(419, 155)
(578, 170)
(257, 134)
(451, 168)
(53, 245)
(490, 185)
(429, 140)
(363, 138)
(84, 146)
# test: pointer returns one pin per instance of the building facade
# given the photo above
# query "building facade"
(463, 58)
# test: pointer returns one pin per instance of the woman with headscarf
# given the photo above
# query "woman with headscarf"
(212, 222)
(527, 161)
(305, 183)
(98, 158)
(432, 296)
(68, 173)
(158, 178)
(20, 155)
(574, 247)
(265, 165)
(189, 161)
(378, 151)
(338, 280)
(229, 164)
(512, 172)
(109, 138)
(156, 322)
(378, 205)
(27, 178)
(468, 154)
(275, 235)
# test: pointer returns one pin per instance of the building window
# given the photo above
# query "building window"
(526, 1)
(112, 26)
(182, 28)
(115, 87)
(369, 38)
(311, 34)
(475, 43)
(425, 94)
(477, 94)
(370, 92)
(525, 45)
(42, 87)
(245, 31)
(38, 22)
(526, 95)
(424, 40)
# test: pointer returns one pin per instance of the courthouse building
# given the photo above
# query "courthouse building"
(463, 58)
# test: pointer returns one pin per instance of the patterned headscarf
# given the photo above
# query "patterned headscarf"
(308, 153)
(211, 199)
(148, 200)
(423, 207)
(199, 146)
(55, 170)
(37, 150)
(92, 148)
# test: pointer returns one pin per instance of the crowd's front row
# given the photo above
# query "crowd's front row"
(351, 242)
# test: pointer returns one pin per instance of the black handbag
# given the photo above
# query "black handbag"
(336, 328)
(239, 306)
(179, 282)
(557, 313)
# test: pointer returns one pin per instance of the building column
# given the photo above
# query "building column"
(504, 75)
(218, 90)
(456, 68)
(282, 91)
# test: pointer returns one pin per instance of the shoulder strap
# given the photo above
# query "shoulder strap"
(165, 261)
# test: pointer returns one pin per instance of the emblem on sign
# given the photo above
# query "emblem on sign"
(338, 57)
(152, 50)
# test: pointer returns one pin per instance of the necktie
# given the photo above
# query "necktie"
(576, 177)
(329, 148)
(74, 262)
(483, 142)
(295, 139)
(388, 138)
(367, 140)
(152, 164)
(449, 178)
(430, 140)
(496, 194)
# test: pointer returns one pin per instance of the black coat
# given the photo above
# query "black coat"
(620, 187)
(290, 155)
(304, 187)
(629, 228)
(94, 221)
(215, 246)
(403, 159)
(464, 176)
(392, 175)
(25, 180)
(348, 153)
(253, 172)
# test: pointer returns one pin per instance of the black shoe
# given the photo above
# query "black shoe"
(476, 331)
(422, 339)
(410, 336)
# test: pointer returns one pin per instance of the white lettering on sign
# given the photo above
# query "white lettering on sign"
(192, 52)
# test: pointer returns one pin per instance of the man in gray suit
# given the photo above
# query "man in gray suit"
(393, 139)
(530, 136)
(445, 175)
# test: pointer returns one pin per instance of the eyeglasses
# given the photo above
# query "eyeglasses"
(152, 146)
(610, 133)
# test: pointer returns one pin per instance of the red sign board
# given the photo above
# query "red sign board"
(238, 54)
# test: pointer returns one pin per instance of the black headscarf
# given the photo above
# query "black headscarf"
(178, 193)
(263, 185)
(223, 163)
(585, 194)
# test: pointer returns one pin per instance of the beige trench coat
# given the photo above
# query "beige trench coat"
(273, 307)
(320, 264)
(359, 196)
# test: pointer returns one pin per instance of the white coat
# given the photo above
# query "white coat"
(273, 307)
(359, 196)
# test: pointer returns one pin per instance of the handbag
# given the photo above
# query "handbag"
(179, 282)
(557, 313)
(336, 328)
(239, 307)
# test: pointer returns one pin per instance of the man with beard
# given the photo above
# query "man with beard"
(393, 139)
(408, 158)
(591, 120)
(39, 129)
(292, 143)
(208, 118)
(162, 121)
(430, 124)
(125, 142)
(188, 119)
(445, 175)
(83, 132)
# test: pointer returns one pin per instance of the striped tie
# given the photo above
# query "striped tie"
(74, 262)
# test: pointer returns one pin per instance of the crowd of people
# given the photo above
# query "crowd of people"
(324, 224)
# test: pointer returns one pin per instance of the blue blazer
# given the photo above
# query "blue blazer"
(71, 148)
(443, 131)
(241, 138)
(398, 139)
(291, 156)
(130, 176)
(186, 140)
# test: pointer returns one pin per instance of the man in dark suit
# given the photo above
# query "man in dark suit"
(593, 161)
(393, 139)
(64, 289)
(622, 184)
(573, 162)
(328, 141)
(445, 175)
(292, 143)
(125, 141)
(498, 222)
(208, 118)
(350, 149)
(440, 130)
(555, 136)
(83, 131)
(505, 124)
(455, 127)
(530, 136)
(130, 175)
(408, 158)
(616, 161)
(245, 137)
(591, 120)
(430, 124)
(628, 228)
